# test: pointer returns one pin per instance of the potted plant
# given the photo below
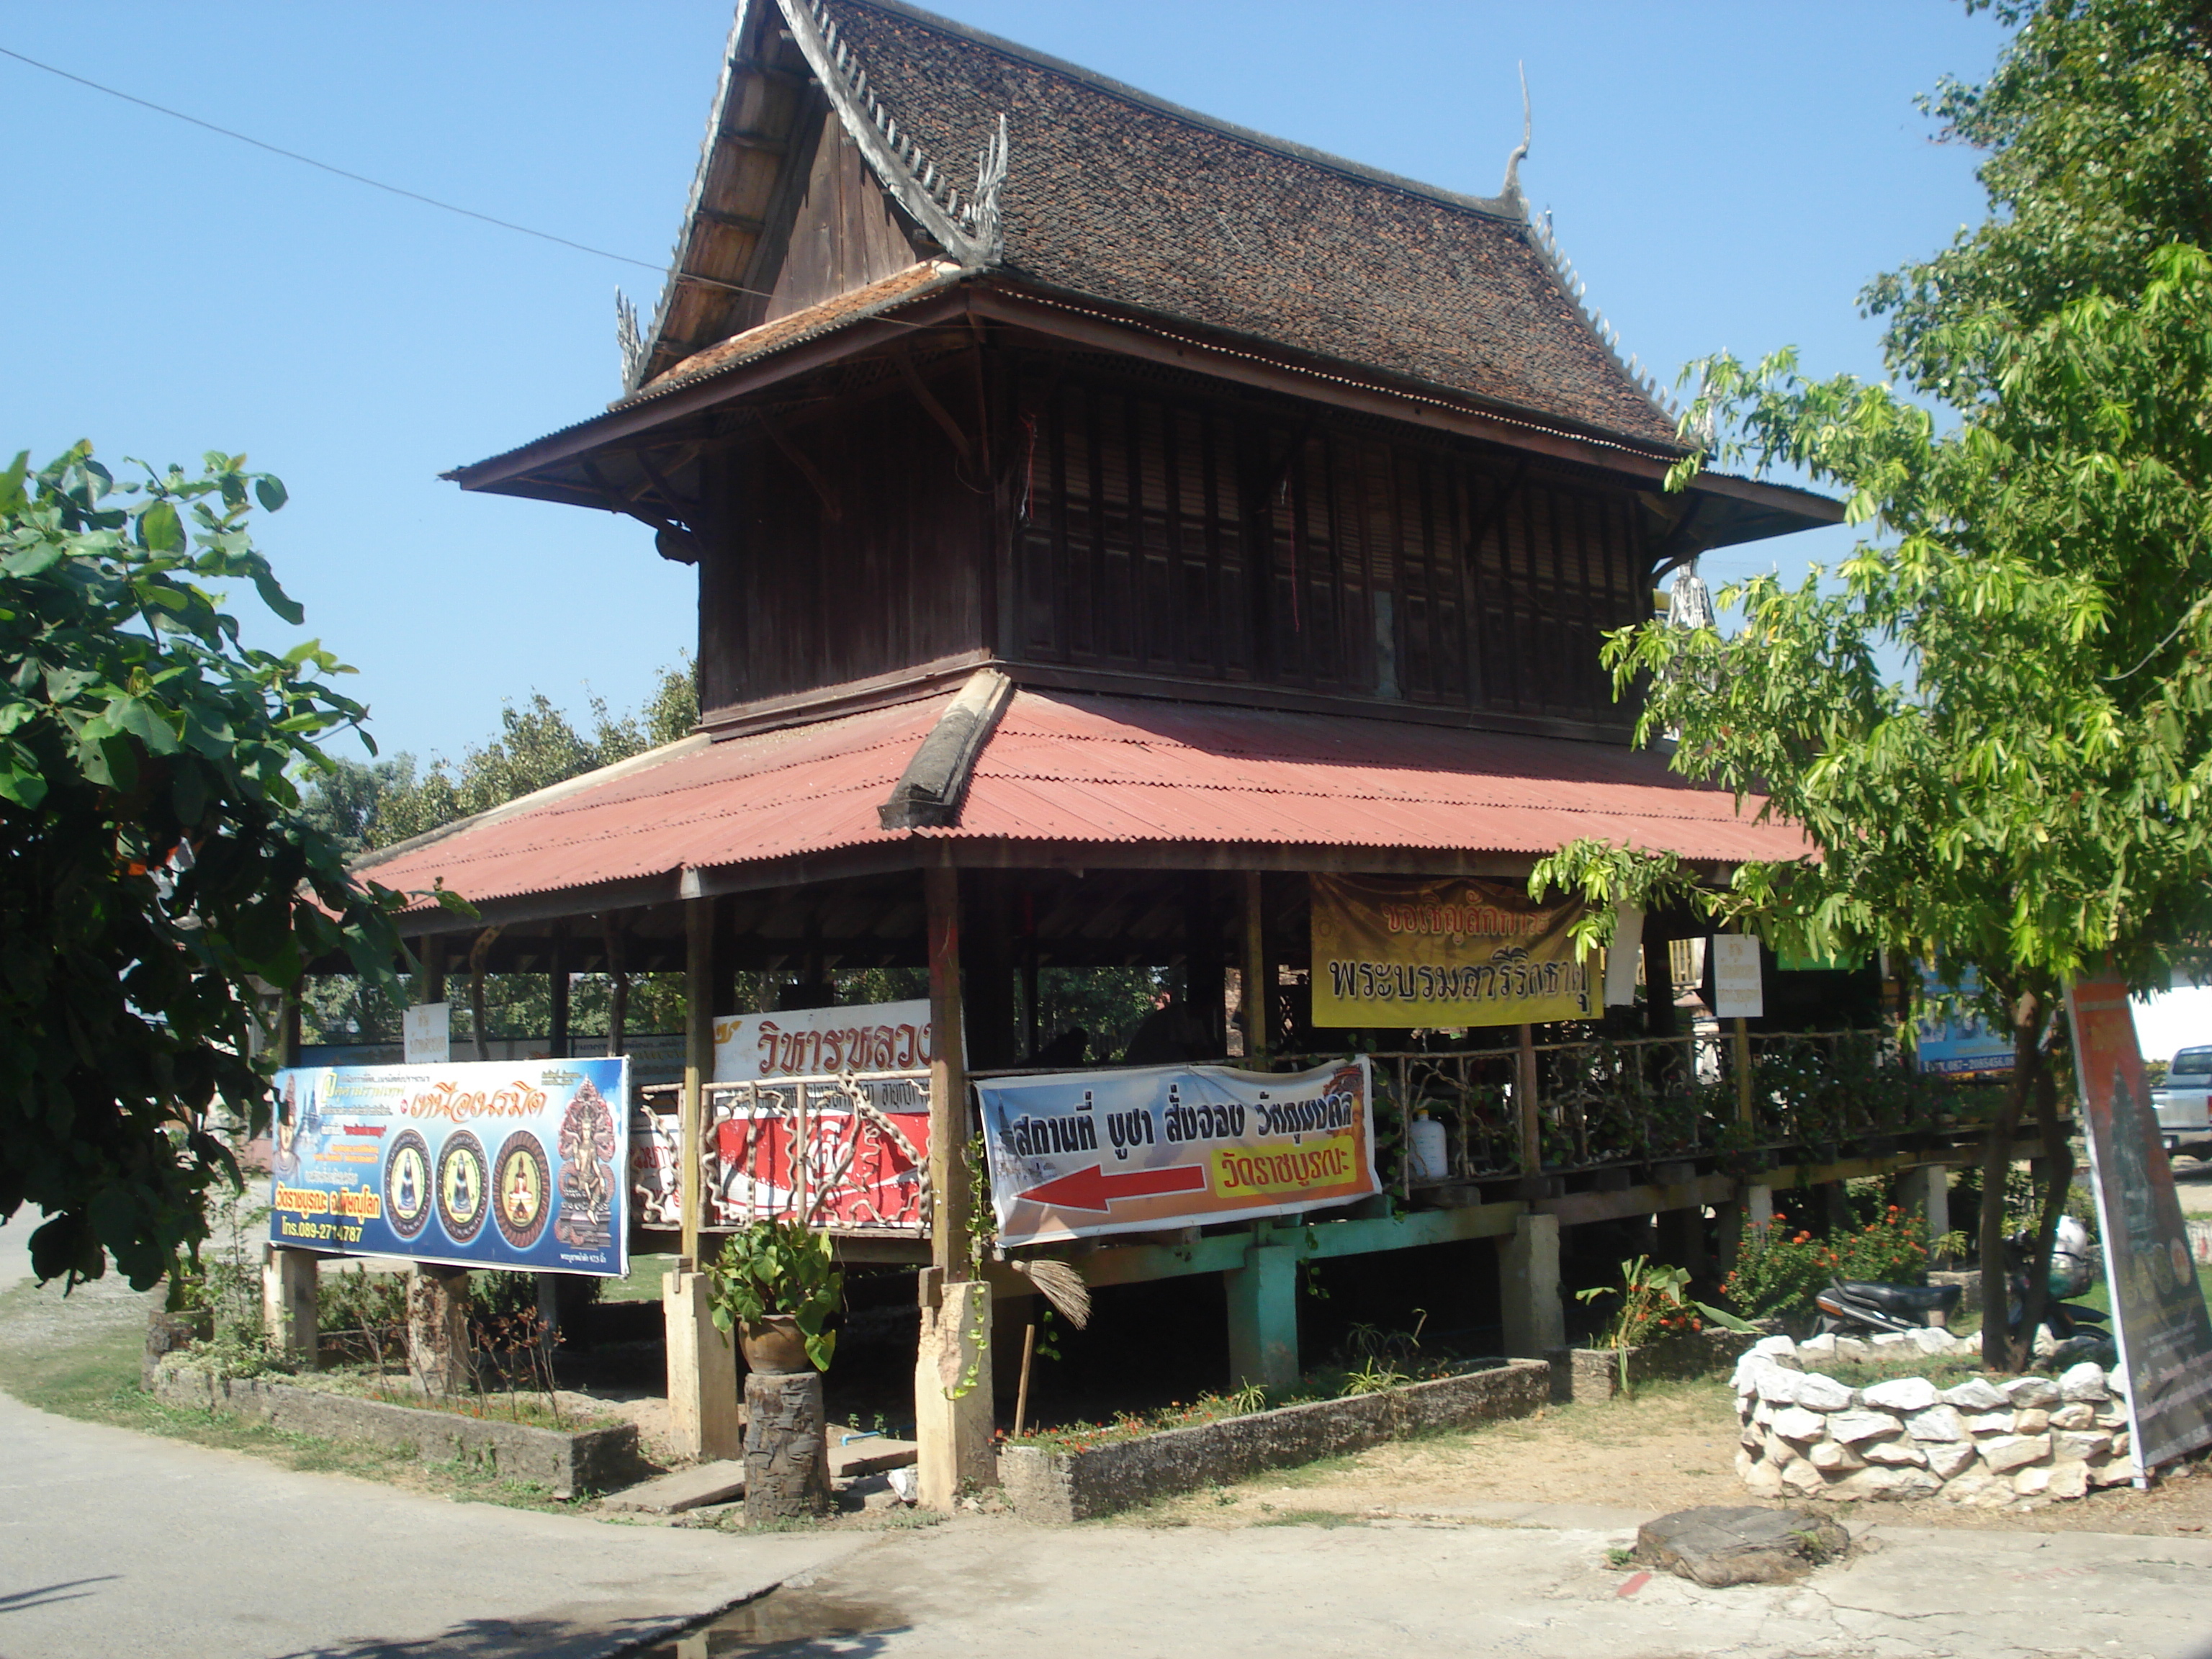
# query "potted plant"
(776, 1284)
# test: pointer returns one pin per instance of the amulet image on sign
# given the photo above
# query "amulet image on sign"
(519, 1200)
(462, 1183)
(407, 1185)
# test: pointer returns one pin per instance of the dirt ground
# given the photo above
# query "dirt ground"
(1670, 1447)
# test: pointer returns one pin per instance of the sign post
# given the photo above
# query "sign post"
(2158, 1312)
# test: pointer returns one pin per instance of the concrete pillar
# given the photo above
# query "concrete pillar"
(1529, 1287)
(1927, 1193)
(952, 1393)
(288, 1302)
(702, 1372)
(438, 1329)
(786, 1450)
(1757, 1208)
(1263, 1316)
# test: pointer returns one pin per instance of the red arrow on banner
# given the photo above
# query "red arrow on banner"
(1094, 1189)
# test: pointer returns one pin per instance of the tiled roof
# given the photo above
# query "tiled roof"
(1104, 772)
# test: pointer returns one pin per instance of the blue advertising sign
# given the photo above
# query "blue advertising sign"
(1964, 1047)
(499, 1163)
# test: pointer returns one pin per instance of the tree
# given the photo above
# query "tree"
(2030, 800)
(155, 863)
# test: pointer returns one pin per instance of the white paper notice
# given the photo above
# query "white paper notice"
(427, 1032)
(1739, 993)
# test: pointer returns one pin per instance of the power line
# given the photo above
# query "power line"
(362, 178)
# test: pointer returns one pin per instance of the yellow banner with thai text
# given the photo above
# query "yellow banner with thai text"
(1392, 952)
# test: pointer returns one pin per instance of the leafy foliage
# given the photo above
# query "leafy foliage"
(778, 1266)
(1779, 1272)
(156, 862)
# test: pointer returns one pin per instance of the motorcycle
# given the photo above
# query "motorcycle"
(1861, 1308)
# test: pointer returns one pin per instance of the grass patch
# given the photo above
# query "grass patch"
(1325, 1519)
(641, 1283)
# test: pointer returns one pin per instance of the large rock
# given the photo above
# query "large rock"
(1976, 1393)
(1936, 1423)
(1985, 1423)
(1944, 1462)
(1851, 1427)
(2012, 1451)
(2031, 1391)
(1830, 1458)
(1902, 1393)
(1816, 1393)
(1897, 1454)
(1795, 1423)
(1714, 1545)
(2080, 1415)
(2084, 1382)
(1778, 1387)
(1877, 1482)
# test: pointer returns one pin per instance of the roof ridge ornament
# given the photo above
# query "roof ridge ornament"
(629, 341)
(1510, 190)
(1574, 289)
(968, 232)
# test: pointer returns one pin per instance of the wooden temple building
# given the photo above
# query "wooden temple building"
(1106, 519)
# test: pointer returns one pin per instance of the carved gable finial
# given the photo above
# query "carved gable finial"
(629, 340)
(1511, 189)
(983, 213)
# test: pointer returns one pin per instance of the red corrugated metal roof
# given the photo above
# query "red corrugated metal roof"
(1091, 770)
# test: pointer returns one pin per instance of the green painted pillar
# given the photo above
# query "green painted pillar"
(1263, 1317)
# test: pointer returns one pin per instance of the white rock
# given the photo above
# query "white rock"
(2114, 1472)
(1904, 1394)
(2084, 1382)
(1896, 1453)
(1778, 1387)
(2072, 1446)
(1745, 1463)
(1967, 1487)
(1795, 1423)
(1993, 1422)
(1752, 1438)
(2031, 1391)
(1802, 1476)
(1765, 1480)
(2123, 1442)
(1833, 1458)
(1855, 1427)
(1937, 1423)
(1780, 1452)
(1975, 1394)
(1776, 1346)
(2030, 1421)
(2117, 1380)
(2032, 1482)
(1851, 1348)
(1881, 1483)
(1945, 1462)
(1892, 1340)
(1816, 1393)
(1762, 1414)
(2068, 1480)
(2079, 1415)
(2115, 1416)
(1934, 1339)
(2013, 1451)
(1822, 1346)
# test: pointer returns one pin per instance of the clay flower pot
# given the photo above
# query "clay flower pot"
(775, 1346)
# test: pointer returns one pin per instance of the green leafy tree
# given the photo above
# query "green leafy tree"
(154, 862)
(2030, 798)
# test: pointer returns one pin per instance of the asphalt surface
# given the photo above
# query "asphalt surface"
(112, 1542)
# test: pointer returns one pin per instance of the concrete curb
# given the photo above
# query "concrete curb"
(1060, 1486)
(566, 1461)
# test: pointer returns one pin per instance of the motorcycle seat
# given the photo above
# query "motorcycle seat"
(1903, 1298)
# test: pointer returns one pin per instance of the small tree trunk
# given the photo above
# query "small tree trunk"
(2058, 1171)
(1996, 1161)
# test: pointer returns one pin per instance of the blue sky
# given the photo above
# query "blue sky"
(1725, 175)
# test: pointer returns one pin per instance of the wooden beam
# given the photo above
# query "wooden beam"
(936, 410)
(948, 1078)
(698, 1060)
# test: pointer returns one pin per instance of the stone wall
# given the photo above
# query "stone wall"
(1983, 1441)
(568, 1462)
(1043, 1484)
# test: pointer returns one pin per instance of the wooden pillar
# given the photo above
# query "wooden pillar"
(703, 1362)
(1528, 1107)
(1745, 1110)
(987, 960)
(558, 1037)
(698, 1060)
(1205, 973)
(1259, 976)
(438, 1329)
(952, 1382)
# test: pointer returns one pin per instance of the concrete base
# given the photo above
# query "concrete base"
(702, 1373)
(438, 1330)
(1263, 1317)
(1529, 1287)
(952, 1396)
(787, 1454)
(288, 1302)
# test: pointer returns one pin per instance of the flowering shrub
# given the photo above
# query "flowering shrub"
(1779, 1271)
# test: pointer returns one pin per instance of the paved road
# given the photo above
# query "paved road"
(112, 1542)
(981, 1589)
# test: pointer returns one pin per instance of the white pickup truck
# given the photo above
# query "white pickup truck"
(2183, 1101)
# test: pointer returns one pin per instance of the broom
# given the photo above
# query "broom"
(1062, 1286)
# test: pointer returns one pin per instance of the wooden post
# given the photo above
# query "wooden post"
(558, 1037)
(698, 1058)
(1743, 1105)
(948, 1079)
(703, 1362)
(1527, 1108)
(952, 1383)
(1259, 977)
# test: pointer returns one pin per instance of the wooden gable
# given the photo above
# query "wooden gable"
(843, 233)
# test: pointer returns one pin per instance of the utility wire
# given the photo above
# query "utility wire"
(362, 178)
